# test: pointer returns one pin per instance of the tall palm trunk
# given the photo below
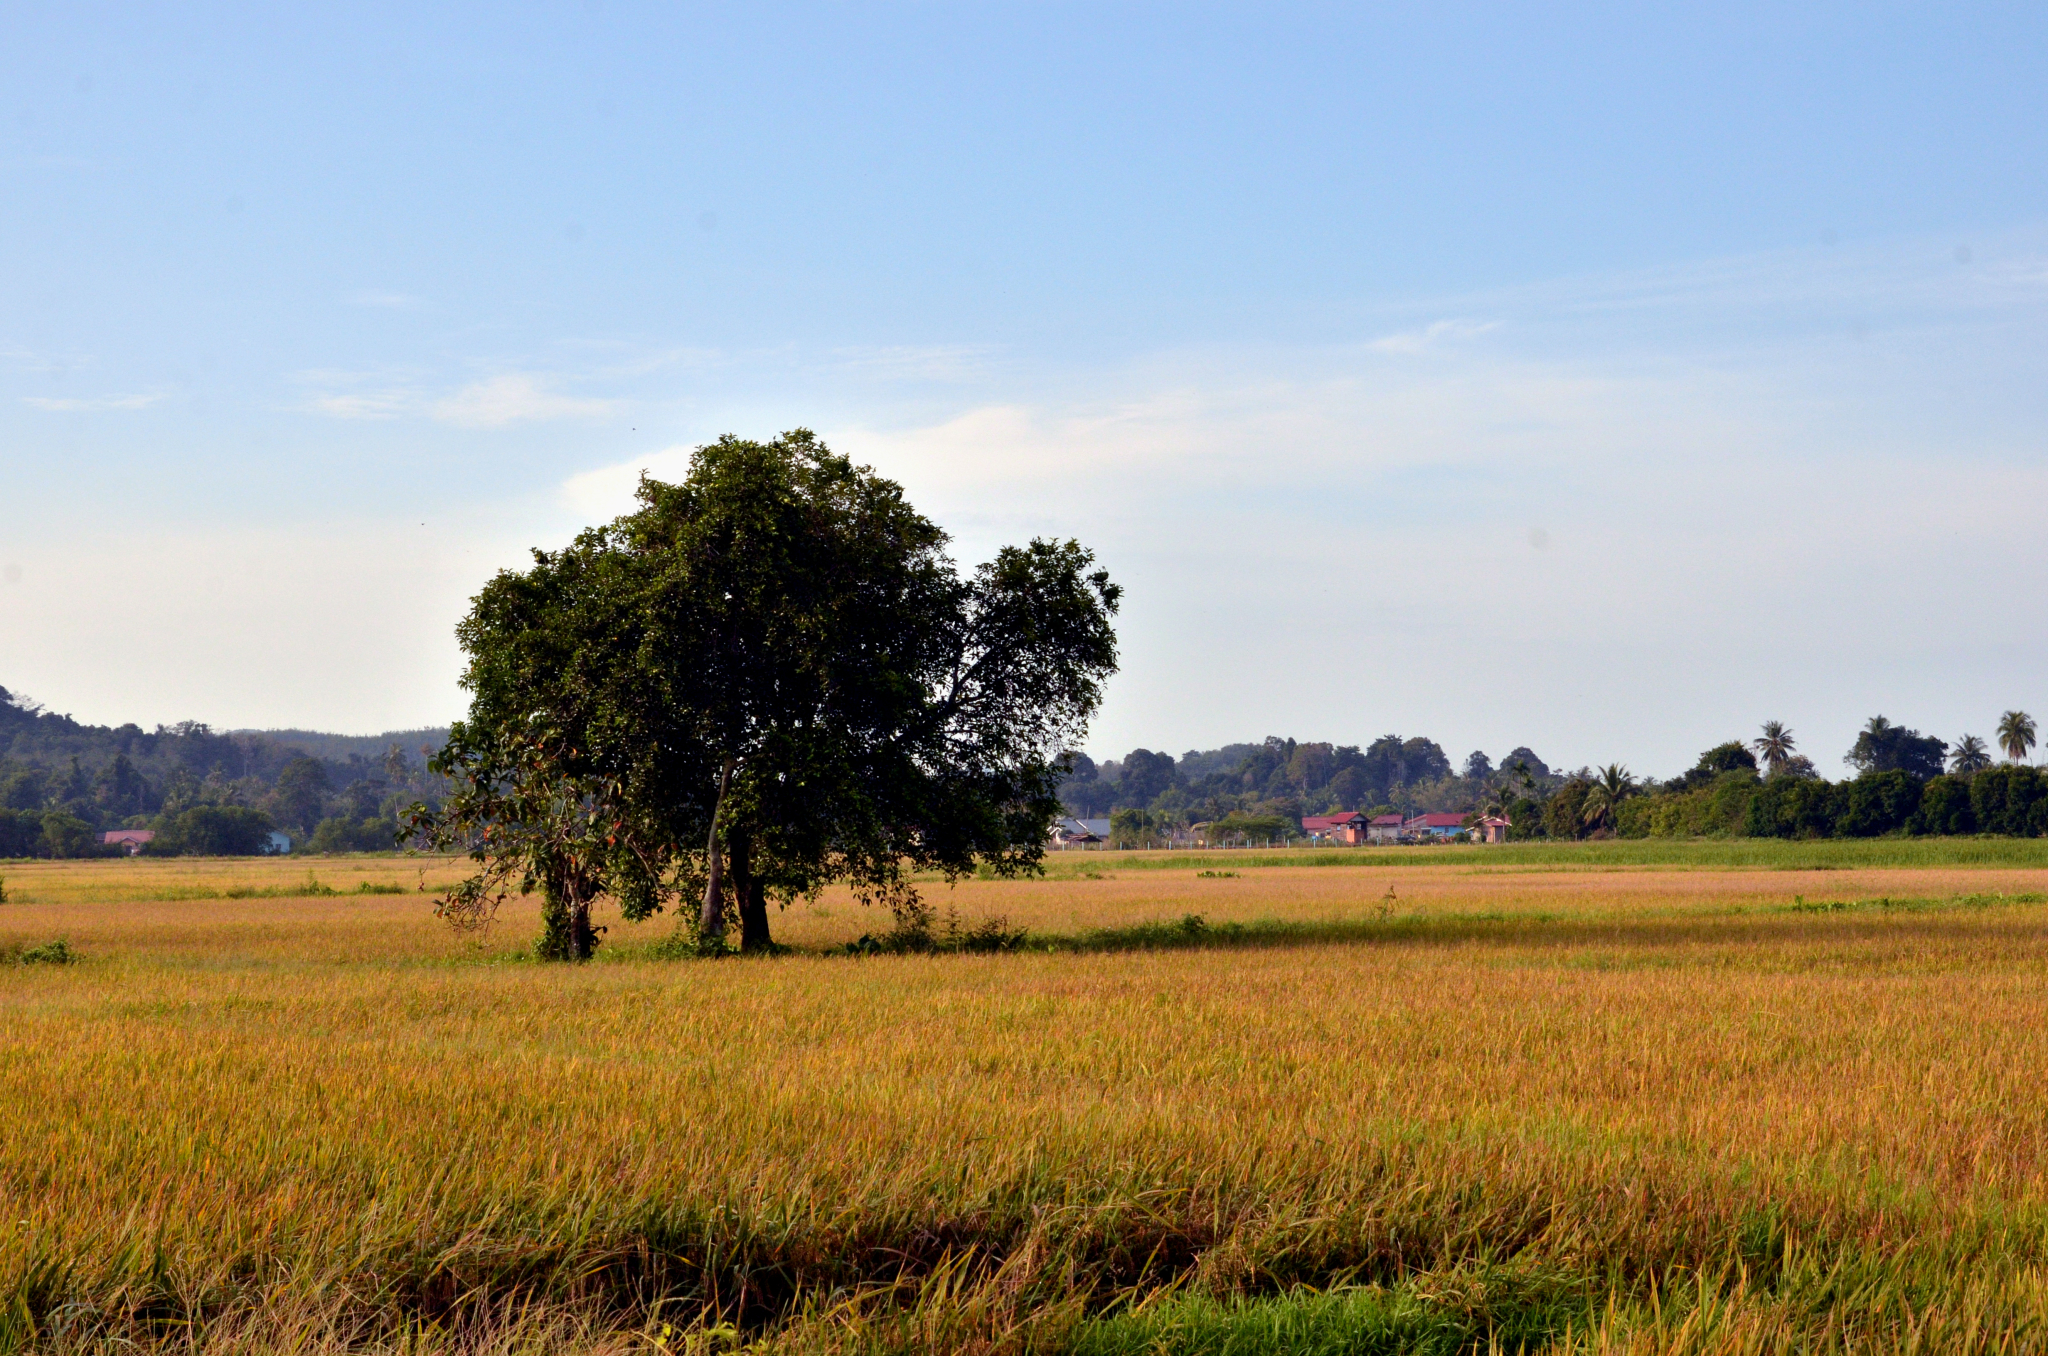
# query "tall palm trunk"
(711, 918)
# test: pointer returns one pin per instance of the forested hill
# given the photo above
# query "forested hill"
(339, 749)
(125, 776)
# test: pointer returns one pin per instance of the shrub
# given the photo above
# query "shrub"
(1565, 814)
(1717, 809)
(212, 831)
(66, 835)
(1239, 826)
(1792, 807)
(1876, 803)
(2010, 800)
(21, 833)
(374, 833)
(58, 952)
(1945, 807)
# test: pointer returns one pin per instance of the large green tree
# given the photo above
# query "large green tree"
(769, 677)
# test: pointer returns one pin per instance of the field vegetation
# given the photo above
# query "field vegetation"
(1394, 1101)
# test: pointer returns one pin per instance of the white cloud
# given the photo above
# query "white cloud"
(607, 492)
(71, 405)
(365, 404)
(1434, 335)
(515, 397)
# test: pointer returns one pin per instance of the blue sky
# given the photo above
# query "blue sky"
(1603, 380)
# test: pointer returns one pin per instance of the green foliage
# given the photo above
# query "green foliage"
(1605, 796)
(58, 952)
(919, 931)
(21, 833)
(110, 777)
(1564, 814)
(1876, 803)
(1792, 807)
(337, 833)
(1718, 809)
(2010, 800)
(1286, 777)
(770, 676)
(1237, 827)
(2015, 734)
(302, 788)
(1885, 747)
(1969, 756)
(1481, 1309)
(1945, 807)
(1715, 763)
(1776, 746)
(1129, 828)
(212, 831)
(66, 835)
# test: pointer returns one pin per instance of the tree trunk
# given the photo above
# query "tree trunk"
(711, 919)
(582, 942)
(752, 897)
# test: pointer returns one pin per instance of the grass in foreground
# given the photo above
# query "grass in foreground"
(1609, 1112)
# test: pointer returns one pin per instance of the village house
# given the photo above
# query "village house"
(129, 841)
(1347, 826)
(1070, 832)
(1434, 825)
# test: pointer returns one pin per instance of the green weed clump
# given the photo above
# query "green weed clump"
(58, 952)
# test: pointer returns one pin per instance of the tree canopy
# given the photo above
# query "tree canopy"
(1885, 747)
(768, 677)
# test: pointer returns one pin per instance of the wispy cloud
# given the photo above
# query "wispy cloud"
(513, 398)
(366, 404)
(76, 404)
(378, 394)
(1434, 335)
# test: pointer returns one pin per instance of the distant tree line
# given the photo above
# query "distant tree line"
(63, 784)
(1903, 782)
(1263, 790)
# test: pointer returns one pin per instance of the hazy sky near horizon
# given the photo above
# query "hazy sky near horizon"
(1596, 379)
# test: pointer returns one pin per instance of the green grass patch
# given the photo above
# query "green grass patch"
(1428, 1316)
(1691, 854)
(58, 952)
(1887, 904)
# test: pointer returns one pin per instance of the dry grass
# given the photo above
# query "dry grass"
(1624, 1110)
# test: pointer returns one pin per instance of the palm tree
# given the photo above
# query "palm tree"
(1610, 788)
(1970, 756)
(2015, 734)
(1774, 746)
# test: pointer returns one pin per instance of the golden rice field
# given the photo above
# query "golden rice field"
(1447, 1101)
